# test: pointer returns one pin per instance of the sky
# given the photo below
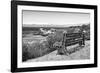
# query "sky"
(55, 18)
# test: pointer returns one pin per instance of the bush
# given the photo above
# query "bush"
(57, 37)
(87, 35)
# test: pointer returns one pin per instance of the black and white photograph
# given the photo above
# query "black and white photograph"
(55, 36)
(51, 36)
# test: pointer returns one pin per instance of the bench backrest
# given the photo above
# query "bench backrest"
(72, 38)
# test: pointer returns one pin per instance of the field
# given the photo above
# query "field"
(34, 38)
(38, 46)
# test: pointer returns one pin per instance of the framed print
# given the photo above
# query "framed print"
(52, 36)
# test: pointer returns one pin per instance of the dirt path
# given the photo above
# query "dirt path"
(83, 53)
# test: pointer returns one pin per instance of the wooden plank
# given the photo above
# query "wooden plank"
(73, 38)
(72, 42)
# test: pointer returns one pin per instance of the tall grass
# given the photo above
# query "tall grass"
(33, 50)
(25, 53)
(37, 49)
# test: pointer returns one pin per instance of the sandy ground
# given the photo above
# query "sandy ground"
(82, 53)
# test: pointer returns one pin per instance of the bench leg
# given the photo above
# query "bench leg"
(62, 51)
(80, 43)
(66, 51)
(83, 42)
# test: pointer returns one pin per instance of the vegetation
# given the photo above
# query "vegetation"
(34, 50)
(25, 53)
(38, 48)
(57, 37)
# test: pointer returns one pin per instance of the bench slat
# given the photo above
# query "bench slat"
(72, 42)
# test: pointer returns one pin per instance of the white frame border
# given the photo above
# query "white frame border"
(52, 63)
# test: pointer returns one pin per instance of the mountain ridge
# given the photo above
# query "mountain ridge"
(52, 25)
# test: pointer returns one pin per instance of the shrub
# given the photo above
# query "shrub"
(52, 38)
(87, 35)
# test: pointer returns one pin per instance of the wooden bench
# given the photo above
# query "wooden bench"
(70, 39)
